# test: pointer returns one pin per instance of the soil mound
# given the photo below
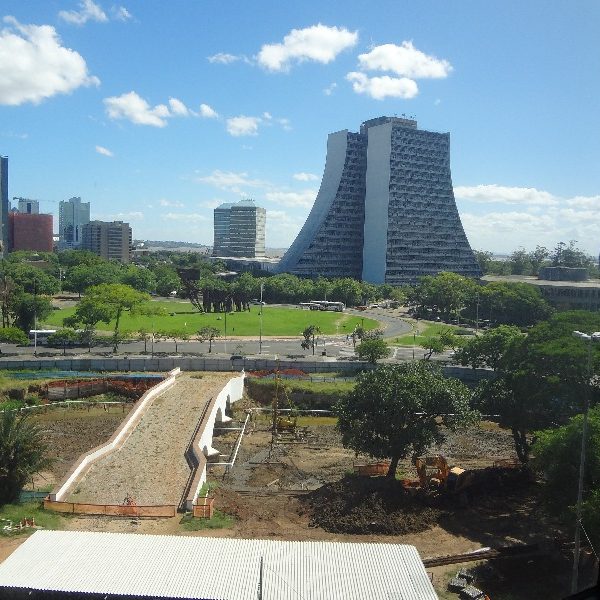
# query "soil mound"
(363, 505)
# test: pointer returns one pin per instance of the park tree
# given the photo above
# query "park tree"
(519, 262)
(87, 315)
(85, 275)
(167, 280)
(437, 343)
(486, 350)
(372, 350)
(26, 309)
(63, 338)
(444, 294)
(13, 335)
(310, 335)
(23, 453)
(208, 334)
(32, 280)
(116, 299)
(542, 377)
(140, 279)
(554, 457)
(484, 260)
(398, 411)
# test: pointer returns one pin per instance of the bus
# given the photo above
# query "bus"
(323, 305)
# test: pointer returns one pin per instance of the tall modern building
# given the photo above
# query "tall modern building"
(73, 214)
(239, 230)
(4, 207)
(28, 207)
(110, 240)
(385, 211)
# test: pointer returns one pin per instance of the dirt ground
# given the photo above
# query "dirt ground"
(267, 490)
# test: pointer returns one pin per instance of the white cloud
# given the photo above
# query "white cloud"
(178, 108)
(123, 216)
(285, 124)
(305, 177)
(173, 203)
(404, 60)
(230, 181)
(304, 199)
(187, 217)
(120, 13)
(318, 43)
(134, 108)
(589, 202)
(242, 125)
(212, 204)
(34, 65)
(89, 11)
(104, 151)
(330, 89)
(499, 194)
(223, 58)
(208, 112)
(382, 87)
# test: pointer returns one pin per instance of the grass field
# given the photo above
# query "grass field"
(426, 329)
(181, 316)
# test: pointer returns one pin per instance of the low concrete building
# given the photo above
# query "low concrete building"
(110, 240)
(72, 564)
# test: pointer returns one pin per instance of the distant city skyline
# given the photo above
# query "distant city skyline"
(236, 107)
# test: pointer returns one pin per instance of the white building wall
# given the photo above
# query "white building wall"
(376, 203)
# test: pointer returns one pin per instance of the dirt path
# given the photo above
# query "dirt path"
(151, 465)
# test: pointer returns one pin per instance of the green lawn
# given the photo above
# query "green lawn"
(425, 329)
(181, 316)
(15, 512)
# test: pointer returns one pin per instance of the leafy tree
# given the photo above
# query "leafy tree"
(555, 456)
(484, 259)
(519, 262)
(140, 279)
(541, 378)
(486, 350)
(167, 280)
(27, 308)
(398, 410)
(444, 294)
(436, 344)
(145, 335)
(115, 299)
(309, 335)
(87, 315)
(22, 454)
(537, 258)
(13, 335)
(208, 334)
(72, 258)
(84, 275)
(372, 350)
(32, 280)
(347, 290)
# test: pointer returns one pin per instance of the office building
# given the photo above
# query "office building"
(239, 230)
(30, 231)
(385, 211)
(73, 214)
(4, 207)
(26, 206)
(110, 240)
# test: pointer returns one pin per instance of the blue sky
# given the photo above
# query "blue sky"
(156, 112)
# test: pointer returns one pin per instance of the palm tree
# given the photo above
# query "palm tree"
(22, 453)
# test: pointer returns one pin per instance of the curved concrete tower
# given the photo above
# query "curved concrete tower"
(385, 212)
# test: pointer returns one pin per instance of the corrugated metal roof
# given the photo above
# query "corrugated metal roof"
(215, 568)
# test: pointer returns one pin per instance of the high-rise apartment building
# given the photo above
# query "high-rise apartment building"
(30, 231)
(73, 214)
(385, 211)
(4, 207)
(239, 230)
(110, 240)
(29, 207)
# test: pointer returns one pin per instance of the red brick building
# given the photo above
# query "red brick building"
(30, 232)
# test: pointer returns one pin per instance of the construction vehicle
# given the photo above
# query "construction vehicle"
(287, 423)
(434, 472)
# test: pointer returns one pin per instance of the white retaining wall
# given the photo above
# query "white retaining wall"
(119, 439)
(232, 392)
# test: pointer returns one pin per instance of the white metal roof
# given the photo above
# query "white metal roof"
(215, 568)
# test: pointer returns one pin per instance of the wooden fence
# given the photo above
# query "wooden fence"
(115, 510)
(204, 507)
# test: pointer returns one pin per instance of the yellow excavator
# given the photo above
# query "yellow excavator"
(434, 472)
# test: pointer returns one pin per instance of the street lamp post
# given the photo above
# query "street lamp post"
(262, 286)
(35, 317)
(589, 338)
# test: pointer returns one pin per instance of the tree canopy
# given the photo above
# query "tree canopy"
(398, 410)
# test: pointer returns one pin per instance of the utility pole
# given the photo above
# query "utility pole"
(262, 286)
(594, 337)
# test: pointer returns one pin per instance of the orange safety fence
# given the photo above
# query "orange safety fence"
(117, 510)
(204, 508)
(374, 469)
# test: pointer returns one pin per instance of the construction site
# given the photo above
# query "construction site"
(196, 444)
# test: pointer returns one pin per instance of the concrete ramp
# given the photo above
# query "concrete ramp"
(151, 465)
